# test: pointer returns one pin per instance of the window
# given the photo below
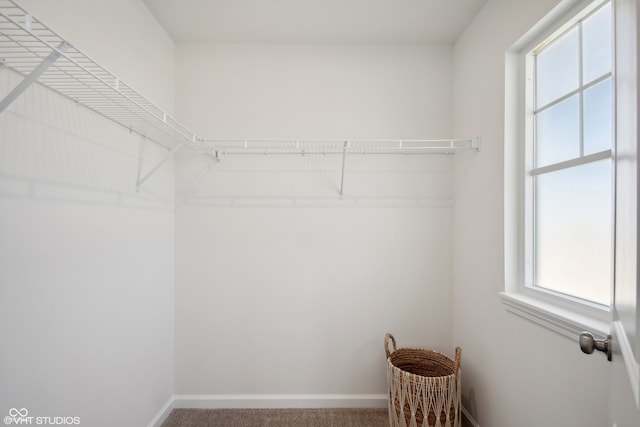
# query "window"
(564, 191)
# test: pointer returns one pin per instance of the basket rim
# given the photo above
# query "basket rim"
(422, 349)
(427, 350)
(412, 375)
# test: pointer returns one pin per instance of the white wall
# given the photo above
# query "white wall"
(281, 286)
(86, 264)
(314, 91)
(515, 373)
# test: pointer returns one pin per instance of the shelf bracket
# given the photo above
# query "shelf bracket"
(158, 166)
(33, 76)
(192, 186)
(344, 158)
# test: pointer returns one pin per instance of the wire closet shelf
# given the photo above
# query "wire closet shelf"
(39, 54)
(222, 147)
(32, 49)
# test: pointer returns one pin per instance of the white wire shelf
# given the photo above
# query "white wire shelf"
(440, 146)
(32, 49)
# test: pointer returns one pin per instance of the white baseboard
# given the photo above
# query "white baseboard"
(214, 401)
(162, 414)
(473, 422)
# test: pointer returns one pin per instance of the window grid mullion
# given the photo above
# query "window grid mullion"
(581, 95)
(578, 161)
(568, 95)
(533, 195)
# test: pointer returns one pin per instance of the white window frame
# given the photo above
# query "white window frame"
(563, 314)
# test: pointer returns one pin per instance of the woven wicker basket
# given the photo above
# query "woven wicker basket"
(424, 387)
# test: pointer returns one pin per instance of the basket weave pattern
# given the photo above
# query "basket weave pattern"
(424, 387)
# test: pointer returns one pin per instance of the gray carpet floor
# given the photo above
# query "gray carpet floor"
(277, 418)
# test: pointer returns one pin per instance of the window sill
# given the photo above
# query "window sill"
(557, 319)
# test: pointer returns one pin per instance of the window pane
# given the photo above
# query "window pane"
(558, 132)
(573, 231)
(598, 118)
(597, 44)
(557, 69)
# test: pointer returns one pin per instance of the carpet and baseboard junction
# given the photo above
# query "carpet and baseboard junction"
(292, 417)
(183, 411)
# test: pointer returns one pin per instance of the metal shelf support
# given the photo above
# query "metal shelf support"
(156, 167)
(33, 76)
(344, 159)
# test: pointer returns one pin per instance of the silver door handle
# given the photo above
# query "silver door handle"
(588, 344)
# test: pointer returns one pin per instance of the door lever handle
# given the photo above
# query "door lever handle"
(588, 344)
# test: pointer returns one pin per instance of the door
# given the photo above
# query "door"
(625, 327)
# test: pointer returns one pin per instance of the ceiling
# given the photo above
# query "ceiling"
(315, 21)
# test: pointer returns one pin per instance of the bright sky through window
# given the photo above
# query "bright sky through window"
(572, 167)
